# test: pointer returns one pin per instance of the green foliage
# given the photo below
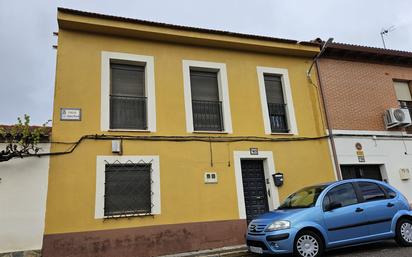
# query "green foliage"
(21, 139)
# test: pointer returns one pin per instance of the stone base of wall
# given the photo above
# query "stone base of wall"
(34, 253)
(146, 241)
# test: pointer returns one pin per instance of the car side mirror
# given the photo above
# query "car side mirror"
(332, 206)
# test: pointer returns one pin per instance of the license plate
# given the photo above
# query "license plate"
(255, 249)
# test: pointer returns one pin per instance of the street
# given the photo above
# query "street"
(381, 249)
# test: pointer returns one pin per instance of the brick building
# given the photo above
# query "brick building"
(359, 85)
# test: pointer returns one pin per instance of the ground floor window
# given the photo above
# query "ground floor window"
(127, 189)
(127, 186)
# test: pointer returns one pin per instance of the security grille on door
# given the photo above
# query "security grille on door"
(128, 189)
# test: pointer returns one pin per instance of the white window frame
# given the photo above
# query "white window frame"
(268, 168)
(101, 162)
(287, 96)
(223, 93)
(148, 61)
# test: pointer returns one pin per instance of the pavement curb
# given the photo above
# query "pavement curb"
(229, 251)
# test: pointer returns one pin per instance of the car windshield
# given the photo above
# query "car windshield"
(303, 198)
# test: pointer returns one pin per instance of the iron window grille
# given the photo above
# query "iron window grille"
(128, 189)
(207, 115)
(128, 112)
(277, 117)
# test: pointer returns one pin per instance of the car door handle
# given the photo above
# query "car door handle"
(390, 205)
(359, 209)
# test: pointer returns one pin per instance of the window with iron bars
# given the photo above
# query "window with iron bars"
(128, 103)
(276, 103)
(127, 189)
(206, 104)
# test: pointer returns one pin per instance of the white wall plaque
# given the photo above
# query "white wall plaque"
(74, 114)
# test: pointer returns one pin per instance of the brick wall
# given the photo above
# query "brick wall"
(358, 93)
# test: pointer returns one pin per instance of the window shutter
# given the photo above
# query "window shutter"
(274, 91)
(204, 85)
(127, 80)
(402, 91)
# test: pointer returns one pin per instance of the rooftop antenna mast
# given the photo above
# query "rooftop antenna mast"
(385, 32)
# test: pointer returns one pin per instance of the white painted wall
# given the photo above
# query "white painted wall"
(388, 152)
(23, 190)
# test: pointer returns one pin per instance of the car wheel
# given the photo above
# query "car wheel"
(404, 232)
(308, 244)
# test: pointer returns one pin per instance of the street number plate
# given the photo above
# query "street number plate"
(256, 249)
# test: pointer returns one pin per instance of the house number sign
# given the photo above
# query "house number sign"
(254, 151)
(73, 114)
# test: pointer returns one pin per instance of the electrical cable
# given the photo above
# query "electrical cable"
(208, 139)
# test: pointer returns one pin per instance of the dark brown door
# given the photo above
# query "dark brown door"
(254, 188)
(361, 171)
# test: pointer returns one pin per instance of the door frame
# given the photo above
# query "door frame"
(268, 168)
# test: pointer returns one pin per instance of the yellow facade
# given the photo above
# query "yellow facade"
(185, 197)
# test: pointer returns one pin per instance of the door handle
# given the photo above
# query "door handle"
(390, 205)
(359, 210)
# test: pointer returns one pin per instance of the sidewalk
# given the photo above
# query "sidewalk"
(231, 251)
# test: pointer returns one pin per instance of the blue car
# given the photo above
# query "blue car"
(337, 214)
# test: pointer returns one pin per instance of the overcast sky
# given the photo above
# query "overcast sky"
(27, 59)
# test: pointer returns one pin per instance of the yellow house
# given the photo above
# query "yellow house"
(167, 138)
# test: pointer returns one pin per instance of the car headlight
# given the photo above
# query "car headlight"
(278, 225)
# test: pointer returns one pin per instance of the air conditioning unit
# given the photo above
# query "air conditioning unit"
(395, 117)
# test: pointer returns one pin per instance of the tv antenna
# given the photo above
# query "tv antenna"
(385, 32)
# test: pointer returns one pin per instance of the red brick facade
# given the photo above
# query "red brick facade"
(357, 93)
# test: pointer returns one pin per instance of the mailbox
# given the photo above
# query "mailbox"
(278, 179)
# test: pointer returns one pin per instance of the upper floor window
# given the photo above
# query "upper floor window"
(206, 105)
(127, 92)
(276, 104)
(276, 100)
(128, 105)
(206, 97)
(403, 94)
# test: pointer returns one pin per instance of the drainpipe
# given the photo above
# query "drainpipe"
(326, 111)
(328, 123)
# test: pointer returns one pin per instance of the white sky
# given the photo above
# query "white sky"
(27, 60)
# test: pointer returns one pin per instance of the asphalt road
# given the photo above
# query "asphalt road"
(382, 249)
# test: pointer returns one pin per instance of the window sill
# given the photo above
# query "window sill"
(283, 133)
(127, 216)
(130, 130)
(209, 132)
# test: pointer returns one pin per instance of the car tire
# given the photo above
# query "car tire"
(404, 232)
(308, 244)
